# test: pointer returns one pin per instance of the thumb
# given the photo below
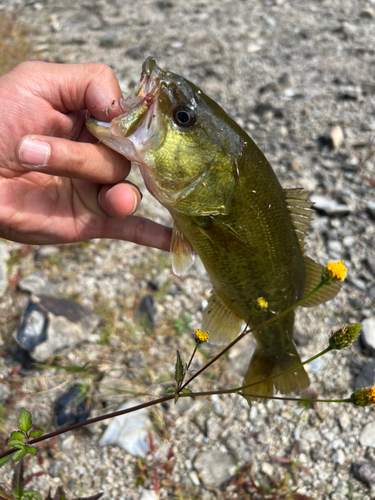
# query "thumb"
(78, 160)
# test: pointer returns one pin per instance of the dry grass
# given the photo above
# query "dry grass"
(15, 45)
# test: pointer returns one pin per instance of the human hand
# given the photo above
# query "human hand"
(54, 182)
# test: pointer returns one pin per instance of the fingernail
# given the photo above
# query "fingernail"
(135, 204)
(34, 153)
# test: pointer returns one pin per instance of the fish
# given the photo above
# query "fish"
(229, 208)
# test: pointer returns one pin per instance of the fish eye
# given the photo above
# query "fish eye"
(184, 117)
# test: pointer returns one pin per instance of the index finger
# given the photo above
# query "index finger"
(74, 87)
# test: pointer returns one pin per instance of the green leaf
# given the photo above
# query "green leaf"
(188, 391)
(245, 397)
(36, 433)
(19, 454)
(176, 397)
(24, 422)
(170, 390)
(179, 373)
(18, 482)
(32, 495)
(17, 435)
(17, 443)
(31, 450)
(4, 460)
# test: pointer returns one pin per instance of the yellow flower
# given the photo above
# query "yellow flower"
(345, 336)
(261, 304)
(364, 397)
(201, 337)
(335, 271)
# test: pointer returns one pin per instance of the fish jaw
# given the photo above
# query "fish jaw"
(140, 129)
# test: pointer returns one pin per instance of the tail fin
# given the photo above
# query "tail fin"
(262, 367)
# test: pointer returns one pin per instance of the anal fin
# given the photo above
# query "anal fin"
(222, 324)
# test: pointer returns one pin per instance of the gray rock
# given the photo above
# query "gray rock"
(367, 14)
(45, 252)
(147, 312)
(50, 325)
(36, 283)
(110, 39)
(370, 259)
(366, 378)
(329, 206)
(367, 437)
(368, 334)
(370, 207)
(4, 392)
(33, 329)
(364, 472)
(129, 431)
(137, 52)
(215, 467)
(55, 469)
(4, 256)
(335, 246)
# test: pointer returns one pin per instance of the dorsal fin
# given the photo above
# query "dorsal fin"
(183, 254)
(313, 276)
(300, 212)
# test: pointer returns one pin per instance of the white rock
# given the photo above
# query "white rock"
(367, 437)
(329, 206)
(129, 431)
(149, 495)
(344, 420)
(267, 469)
(337, 136)
(368, 334)
(4, 256)
(339, 457)
(311, 436)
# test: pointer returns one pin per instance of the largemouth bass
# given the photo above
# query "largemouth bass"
(229, 208)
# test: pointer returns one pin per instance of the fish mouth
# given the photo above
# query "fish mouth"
(140, 127)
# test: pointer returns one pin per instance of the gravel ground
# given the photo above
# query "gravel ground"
(299, 77)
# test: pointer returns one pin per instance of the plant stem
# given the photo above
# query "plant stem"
(91, 421)
(231, 391)
(221, 353)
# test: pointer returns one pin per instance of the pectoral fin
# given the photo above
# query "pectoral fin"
(223, 236)
(223, 325)
(183, 254)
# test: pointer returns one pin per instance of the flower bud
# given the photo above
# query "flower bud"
(364, 397)
(345, 336)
